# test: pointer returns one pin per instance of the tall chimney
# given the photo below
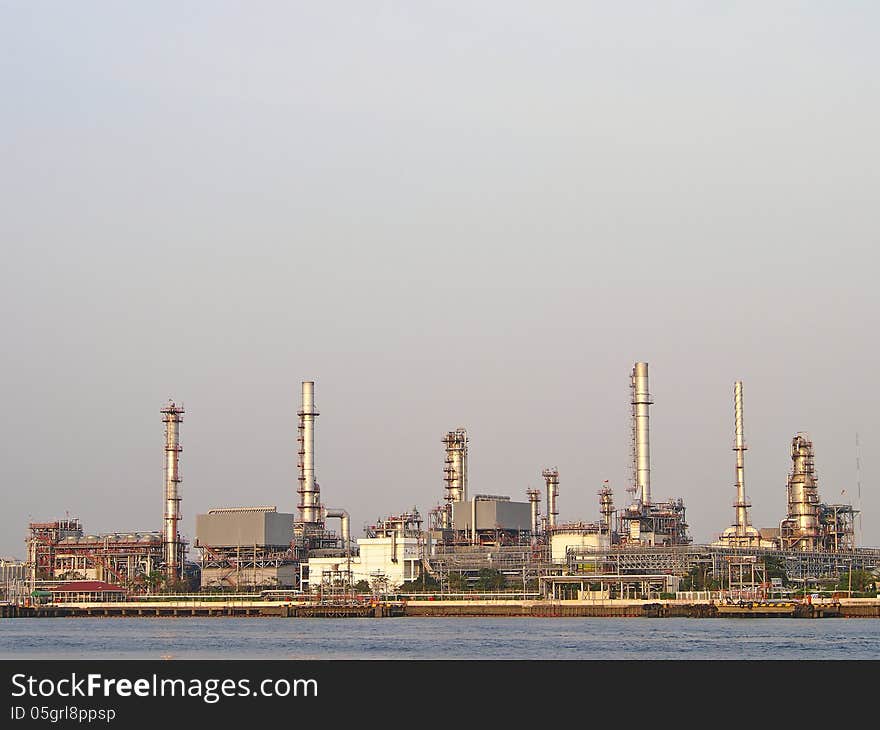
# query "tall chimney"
(551, 478)
(641, 431)
(172, 415)
(310, 497)
(741, 506)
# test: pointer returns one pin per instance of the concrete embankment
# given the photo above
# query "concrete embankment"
(528, 608)
(844, 608)
(836, 608)
(205, 609)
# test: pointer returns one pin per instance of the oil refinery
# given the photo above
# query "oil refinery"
(640, 551)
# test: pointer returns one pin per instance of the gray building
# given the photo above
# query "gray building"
(491, 513)
(246, 548)
(245, 527)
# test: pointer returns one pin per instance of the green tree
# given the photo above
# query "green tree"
(774, 565)
(362, 586)
(861, 581)
(699, 579)
(422, 584)
(490, 579)
(457, 583)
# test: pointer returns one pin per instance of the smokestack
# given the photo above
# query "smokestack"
(310, 497)
(172, 415)
(641, 431)
(551, 478)
(534, 500)
(741, 506)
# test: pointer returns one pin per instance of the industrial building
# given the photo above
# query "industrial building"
(645, 522)
(59, 550)
(643, 548)
(389, 555)
(647, 538)
(13, 574)
(246, 547)
(481, 519)
(259, 547)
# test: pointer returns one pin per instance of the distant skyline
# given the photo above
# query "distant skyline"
(445, 215)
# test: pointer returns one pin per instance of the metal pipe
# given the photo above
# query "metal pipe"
(741, 506)
(344, 525)
(474, 521)
(310, 497)
(172, 415)
(551, 478)
(641, 399)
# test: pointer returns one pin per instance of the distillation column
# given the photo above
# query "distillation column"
(803, 496)
(310, 497)
(606, 509)
(455, 470)
(534, 496)
(172, 415)
(641, 432)
(551, 479)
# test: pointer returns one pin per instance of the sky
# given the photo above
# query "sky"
(450, 214)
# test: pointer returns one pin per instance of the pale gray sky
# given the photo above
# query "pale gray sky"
(446, 214)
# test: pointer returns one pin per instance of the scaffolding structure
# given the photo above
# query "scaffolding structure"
(746, 578)
(660, 524)
(252, 566)
(407, 524)
(520, 564)
(41, 541)
(798, 564)
(59, 551)
(838, 526)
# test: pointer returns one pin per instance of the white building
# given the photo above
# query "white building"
(564, 537)
(387, 557)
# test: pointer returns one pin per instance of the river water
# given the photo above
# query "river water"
(439, 638)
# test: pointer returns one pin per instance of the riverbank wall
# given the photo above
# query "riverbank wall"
(839, 608)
